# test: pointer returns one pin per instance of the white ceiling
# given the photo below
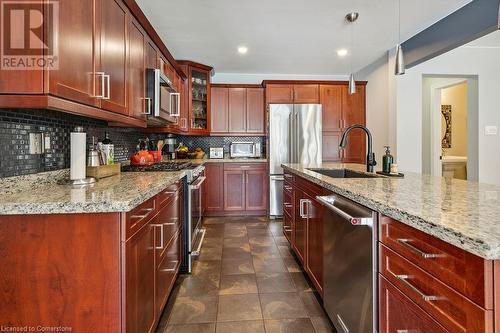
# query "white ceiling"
(287, 36)
(491, 40)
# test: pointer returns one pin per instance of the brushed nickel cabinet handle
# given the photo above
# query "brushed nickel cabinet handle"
(162, 240)
(107, 78)
(407, 243)
(147, 210)
(405, 279)
(149, 106)
(101, 74)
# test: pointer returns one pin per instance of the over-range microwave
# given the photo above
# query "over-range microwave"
(163, 103)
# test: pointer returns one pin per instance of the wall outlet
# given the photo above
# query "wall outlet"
(490, 130)
(36, 144)
(46, 143)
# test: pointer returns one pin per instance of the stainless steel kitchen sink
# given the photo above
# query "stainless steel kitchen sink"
(343, 173)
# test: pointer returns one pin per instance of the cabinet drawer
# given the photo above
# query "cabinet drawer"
(452, 310)
(287, 226)
(244, 166)
(399, 314)
(167, 223)
(287, 187)
(288, 203)
(308, 187)
(139, 216)
(468, 274)
(164, 196)
(166, 273)
(289, 177)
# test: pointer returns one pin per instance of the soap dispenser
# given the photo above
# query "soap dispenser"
(387, 160)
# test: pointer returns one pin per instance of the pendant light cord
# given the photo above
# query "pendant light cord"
(399, 21)
(352, 44)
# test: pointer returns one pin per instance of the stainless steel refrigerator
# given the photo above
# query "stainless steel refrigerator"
(294, 137)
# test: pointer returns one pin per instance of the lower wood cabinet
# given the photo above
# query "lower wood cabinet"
(303, 225)
(106, 272)
(244, 189)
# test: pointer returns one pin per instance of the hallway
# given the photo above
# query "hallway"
(245, 280)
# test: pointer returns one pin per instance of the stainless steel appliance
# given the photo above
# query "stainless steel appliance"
(349, 255)
(244, 150)
(294, 137)
(196, 232)
(162, 101)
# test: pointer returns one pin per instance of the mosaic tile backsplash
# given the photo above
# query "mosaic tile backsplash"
(206, 143)
(15, 126)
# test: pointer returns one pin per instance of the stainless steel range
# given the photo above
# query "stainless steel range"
(193, 232)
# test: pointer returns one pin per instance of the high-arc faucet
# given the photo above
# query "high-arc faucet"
(370, 157)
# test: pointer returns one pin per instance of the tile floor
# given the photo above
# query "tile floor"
(246, 280)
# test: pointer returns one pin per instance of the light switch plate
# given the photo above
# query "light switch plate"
(490, 130)
(36, 146)
(46, 143)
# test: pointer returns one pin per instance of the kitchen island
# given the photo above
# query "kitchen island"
(437, 244)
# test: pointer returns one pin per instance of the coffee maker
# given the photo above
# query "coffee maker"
(168, 150)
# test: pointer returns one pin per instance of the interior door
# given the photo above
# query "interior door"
(75, 79)
(113, 55)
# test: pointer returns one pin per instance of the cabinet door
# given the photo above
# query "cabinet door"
(331, 101)
(237, 110)
(136, 70)
(279, 93)
(113, 54)
(256, 189)
(400, 314)
(305, 93)
(166, 273)
(219, 108)
(256, 113)
(314, 262)
(74, 80)
(300, 226)
(353, 112)
(234, 190)
(331, 150)
(214, 193)
(139, 281)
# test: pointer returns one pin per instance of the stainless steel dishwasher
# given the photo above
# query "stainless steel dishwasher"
(349, 259)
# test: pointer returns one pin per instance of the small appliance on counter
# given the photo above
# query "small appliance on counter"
(245, 150)
(216, 153)
(169, 145)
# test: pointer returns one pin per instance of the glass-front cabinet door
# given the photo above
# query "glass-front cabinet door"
(199, 100)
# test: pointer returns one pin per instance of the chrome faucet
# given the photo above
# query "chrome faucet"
(370, 157)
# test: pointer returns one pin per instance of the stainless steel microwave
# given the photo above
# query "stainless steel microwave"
(244, 149)
(163, 103)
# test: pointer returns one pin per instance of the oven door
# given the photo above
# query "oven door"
(195, 216)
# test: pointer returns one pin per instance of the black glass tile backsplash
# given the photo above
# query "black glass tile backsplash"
(15, 126)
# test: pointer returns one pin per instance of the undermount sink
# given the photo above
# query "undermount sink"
(343, 173)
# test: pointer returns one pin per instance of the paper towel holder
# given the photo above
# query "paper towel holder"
(83, 181)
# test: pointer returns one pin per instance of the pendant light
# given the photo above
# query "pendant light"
(399, 68)
(351, 18)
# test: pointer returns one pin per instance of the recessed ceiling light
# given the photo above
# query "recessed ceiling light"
(342, 52)
(242, 50)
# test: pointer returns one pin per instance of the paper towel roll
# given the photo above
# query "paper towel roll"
(78, 147)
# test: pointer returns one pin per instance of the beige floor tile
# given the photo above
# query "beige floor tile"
(210, 253)
(282, 306)
(236, 253)
(312, 304)
(300, 281)
(199, 286)
(265, 252)
(248, 326)
(236, 242)
(302, 325)
(291, 265)
(261, 240)
(239, 307)
(269, 265)
(238, 284)
(322, 325)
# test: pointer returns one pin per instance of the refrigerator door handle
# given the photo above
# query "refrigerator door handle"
(277, 178)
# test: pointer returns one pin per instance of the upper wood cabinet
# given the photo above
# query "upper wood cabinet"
(136, 70)
(219, 108)
(277, 93)
(237, 110)
(331, 102)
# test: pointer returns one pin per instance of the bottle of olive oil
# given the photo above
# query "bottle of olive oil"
(387, 160)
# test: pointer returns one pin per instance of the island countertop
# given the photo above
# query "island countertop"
(463, 213)
(42, 194)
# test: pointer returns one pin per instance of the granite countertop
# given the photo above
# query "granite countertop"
(462, 213)
(42, 194)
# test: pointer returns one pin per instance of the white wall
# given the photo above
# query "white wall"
(482, 62)
(242, 78)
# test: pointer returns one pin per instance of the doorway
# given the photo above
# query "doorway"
(450, 128)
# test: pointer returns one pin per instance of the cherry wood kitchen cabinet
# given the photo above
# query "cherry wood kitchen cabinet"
(290, 92)
(103, 272)
(214, 189)
(236, 189)
(300, 230)
(237, 110)
(314, 244)
(136, 70)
